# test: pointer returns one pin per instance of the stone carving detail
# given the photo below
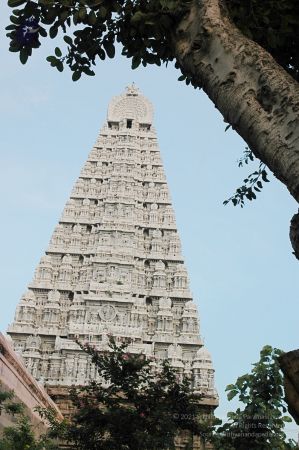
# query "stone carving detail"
(132, 105)
(107, 313)
(114, 264)
(33, 343)
(203, 380)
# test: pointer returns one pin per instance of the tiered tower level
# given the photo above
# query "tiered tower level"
(114, 264)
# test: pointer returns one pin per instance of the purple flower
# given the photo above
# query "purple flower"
(27, 32)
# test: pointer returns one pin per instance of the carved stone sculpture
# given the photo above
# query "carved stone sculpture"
(114, 264)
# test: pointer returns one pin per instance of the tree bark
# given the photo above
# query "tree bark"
(253, 92)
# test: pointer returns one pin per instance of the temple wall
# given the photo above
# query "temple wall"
(114, 266)
(14, 376)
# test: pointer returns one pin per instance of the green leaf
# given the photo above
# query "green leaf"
(110, 49)
(51, 59)
(68, 40)
(181, 78)
(135, 62)
(15, 20)
(23, 55)
(75, 17)
(63, 15)
(50, 15)
(14, 3)
(92, 18)
(232, 394)
(14, 48)
(137, 17)
(102, 54)
(102, 12)
(230, 387)
(264, 176)
(82, 13)
(76, 75)
(43, 32)
(89, 72)
(59, 66)
(53, 32)
(58, 52)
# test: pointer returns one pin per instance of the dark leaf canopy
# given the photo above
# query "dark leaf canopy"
(92, 28)
(260, 424)
(274, 24)
(133, 406)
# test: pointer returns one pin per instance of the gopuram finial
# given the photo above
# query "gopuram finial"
(132, 90)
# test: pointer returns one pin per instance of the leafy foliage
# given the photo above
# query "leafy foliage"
(133, 406)
(144, 29)
(274, 24)
(260, 425)
(7, 404)
(252, 184)
(20, 436)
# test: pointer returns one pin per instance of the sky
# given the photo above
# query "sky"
(241, 268)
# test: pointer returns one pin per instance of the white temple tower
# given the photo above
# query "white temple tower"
(114, 264)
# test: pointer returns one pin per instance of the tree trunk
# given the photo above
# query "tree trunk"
(254, 93)
(289, 363)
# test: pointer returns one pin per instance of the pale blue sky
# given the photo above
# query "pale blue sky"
(241, 269)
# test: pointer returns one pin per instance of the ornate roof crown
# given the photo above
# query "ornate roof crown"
(130, 105)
